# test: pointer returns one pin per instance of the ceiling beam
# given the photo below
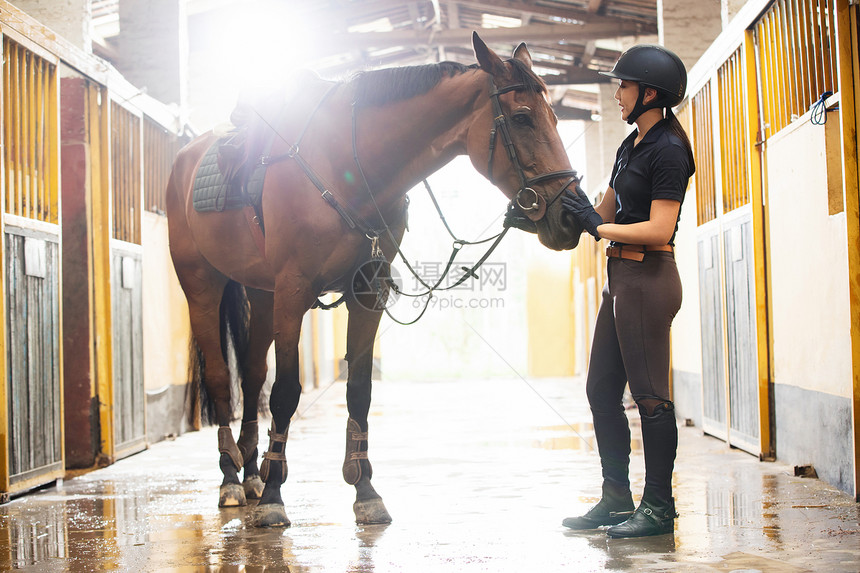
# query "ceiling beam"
(588, 52)
(565, 112)
(460, 37)
(594, 5)
(519, 6)
(575, 75)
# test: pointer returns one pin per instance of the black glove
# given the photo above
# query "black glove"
(577, 203)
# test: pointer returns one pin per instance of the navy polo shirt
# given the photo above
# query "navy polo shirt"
(659, 167)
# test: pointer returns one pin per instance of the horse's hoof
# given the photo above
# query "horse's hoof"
(232, 495)
(270, 515)
(253, 487)
(370, 511)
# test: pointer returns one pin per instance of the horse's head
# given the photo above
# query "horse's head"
(524, 155)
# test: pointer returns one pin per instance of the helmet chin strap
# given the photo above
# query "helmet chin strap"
(641, 107)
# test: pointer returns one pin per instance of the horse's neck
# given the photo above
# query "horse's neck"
(424, 133)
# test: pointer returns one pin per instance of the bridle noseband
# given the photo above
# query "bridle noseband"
(526, 199)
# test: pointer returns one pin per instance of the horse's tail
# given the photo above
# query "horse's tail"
(195, 390)
(235, 318)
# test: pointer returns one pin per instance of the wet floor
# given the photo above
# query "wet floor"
(477, 477)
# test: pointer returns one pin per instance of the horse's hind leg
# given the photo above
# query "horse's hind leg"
(254, 368)
(361, 332)
(204, 290)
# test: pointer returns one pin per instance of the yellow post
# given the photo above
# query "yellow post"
(99, 199)
(849, 87)
(51, 213)
(4, 395)
(759, 249)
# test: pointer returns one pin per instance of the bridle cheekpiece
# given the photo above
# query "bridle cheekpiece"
(527, 200)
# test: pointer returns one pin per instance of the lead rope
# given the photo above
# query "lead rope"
(457, 246)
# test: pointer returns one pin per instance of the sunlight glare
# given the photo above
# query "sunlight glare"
(271, 41)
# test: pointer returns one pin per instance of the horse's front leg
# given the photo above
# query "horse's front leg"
(357, 470)
(286, 391)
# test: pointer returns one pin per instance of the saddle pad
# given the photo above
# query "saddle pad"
(212, 192)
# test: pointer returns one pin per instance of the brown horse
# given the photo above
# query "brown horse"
(340, 160)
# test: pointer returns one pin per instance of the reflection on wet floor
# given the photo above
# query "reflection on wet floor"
(480, 483)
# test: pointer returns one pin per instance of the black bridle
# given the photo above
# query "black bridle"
(530, 203)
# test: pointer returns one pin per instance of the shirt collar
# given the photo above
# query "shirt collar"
(656, 130)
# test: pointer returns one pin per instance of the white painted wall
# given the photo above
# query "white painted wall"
(492, 339)
(808, 265)
(686, 328)
(452, 340)
(166, 326)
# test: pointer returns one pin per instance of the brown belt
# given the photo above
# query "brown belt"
(636, 252)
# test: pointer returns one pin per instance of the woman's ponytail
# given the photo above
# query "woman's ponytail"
(678, 129)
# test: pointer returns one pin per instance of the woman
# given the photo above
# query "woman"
(639, 215)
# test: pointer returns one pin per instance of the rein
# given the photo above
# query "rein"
(457, 245)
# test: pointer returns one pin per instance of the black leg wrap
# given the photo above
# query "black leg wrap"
(355, 463)
(226, 445)
(248, 439)
(274, 457)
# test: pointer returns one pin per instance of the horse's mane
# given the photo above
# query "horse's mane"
(379, 87)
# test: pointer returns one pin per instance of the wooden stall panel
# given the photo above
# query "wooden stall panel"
(33, 386)
(33, 358)
(160, 147)
(734, 154)
(703, 148)
(30, 136)
(796, 40)
(126, 282)
(127, 312)
(741, 332)
(740, 348)
(711, 315)
(125, 174)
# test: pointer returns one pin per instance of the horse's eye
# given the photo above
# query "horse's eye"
(522, 118)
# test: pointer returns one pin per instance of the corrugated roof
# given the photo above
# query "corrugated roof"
(569, 40)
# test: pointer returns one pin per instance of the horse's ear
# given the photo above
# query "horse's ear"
(489, 61)
(522, 54)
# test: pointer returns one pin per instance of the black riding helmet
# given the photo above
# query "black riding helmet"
(652, 66)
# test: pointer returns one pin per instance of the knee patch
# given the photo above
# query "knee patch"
(653, 406)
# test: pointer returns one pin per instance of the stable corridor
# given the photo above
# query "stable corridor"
(477, 476)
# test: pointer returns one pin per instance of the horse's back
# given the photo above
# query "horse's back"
(222, 238)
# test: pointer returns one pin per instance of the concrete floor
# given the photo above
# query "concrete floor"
(477, 476)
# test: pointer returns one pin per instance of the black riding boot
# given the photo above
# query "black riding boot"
(613, 444)
(615, 505)
(656, 512)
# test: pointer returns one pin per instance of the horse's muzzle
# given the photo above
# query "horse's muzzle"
(514, 217)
